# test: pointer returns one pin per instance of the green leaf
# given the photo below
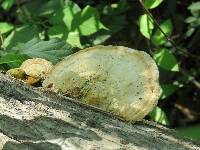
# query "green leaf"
(53, 50)
(12, 59)
(166, 60)
(7, 4)
(47, 8)
(58, 31)
(167, 90)
(190, 19)
(158, 38)
(73, 38)
(5, 27)
(195, 6)
(150, 4)
(146, 26)
(65, 16)
(159, 116)
(87, 21)
(62, 25)
(70, 23)
(20, 35)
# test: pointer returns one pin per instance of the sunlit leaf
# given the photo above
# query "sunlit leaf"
(21, 35)
(5, 27)
(159, 116)
(146, 26)
(166, 60)
(73, 38)
(150, 4)
(7, 4)
(87, 21)
(65, 16)
(58, 31)
(194, 6)
(158, 38)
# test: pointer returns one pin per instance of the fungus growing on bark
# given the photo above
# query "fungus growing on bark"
(117, 79)
(37, 67)
(16, 73)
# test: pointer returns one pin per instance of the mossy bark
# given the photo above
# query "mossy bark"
(32, 119)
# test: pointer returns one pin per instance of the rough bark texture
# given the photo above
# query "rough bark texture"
(34, 120)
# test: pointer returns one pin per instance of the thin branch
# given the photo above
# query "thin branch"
(194, 81)
(167, 38)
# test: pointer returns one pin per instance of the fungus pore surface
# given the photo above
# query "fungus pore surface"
(117, 79)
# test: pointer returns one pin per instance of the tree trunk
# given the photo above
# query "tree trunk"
(33, 120)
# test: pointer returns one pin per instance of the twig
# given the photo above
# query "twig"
(167, 38)
(194, 81)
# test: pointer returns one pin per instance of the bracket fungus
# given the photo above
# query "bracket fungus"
(116, 79)
(37, 67)
(32, 70)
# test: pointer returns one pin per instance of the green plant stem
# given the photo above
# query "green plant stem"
(194, 81)
(185, 53)
(2, 40)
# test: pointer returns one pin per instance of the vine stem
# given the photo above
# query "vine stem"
(194, 81)
(166, 37)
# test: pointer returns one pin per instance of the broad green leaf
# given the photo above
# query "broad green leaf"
(159, 116)
(7, 4)
(158, 38)
(146, 26)
(189, 32)
(150, 4)
(190, 19)
(166, 60)
(73, 38)
(53, 50)
(48, 7)
(20, 35)
(167, 90)
(62, 24)
(58, 31)
(5, 27)
(65, 16)
(195, 6)
(12, 59)
(87, 21)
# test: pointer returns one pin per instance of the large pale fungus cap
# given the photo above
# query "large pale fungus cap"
(114, 78)
(37, 67)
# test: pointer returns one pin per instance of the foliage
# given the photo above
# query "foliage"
(60, 27)
(194, 20)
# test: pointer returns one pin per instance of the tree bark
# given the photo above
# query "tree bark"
(33, 119)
